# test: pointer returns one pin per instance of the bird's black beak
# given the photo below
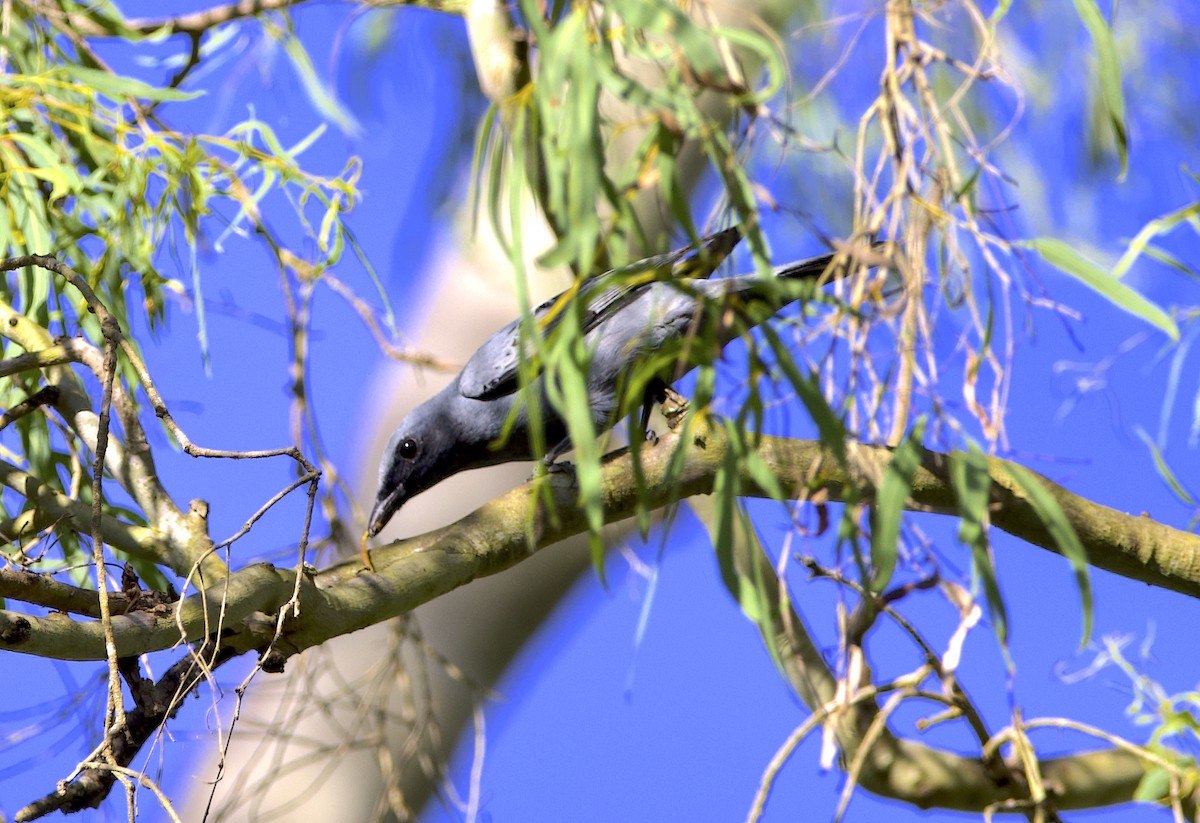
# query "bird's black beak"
(383, 510)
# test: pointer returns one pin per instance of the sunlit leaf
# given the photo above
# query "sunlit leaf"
(1155, 228)
(890, 503)
(1065, 258)
(117, 86)
(1111, 94)
(1155, 785)
(322, 98)
(1164, 471)
(972, 487)
(1063, 533)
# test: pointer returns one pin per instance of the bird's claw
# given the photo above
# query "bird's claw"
(561, 466)
(674, 407)
(557, 467)
(651, 437)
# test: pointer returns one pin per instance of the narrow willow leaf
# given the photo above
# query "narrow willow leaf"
(738, 551)
(487, 151)
(1168, 259)
(972, 485)
(724, 499)
(1174, 380)
(566, 381)
(665, 19)
(1063, 533)
(1164, 471)
(117, 86)
(1159, 226)
(829, 425)
(774, 66)
(1111, 94)
(748, 460)
(999, 13)
(1063, 257)
(889, 506)
(322, 99)
(62, 178)
(1155, 785)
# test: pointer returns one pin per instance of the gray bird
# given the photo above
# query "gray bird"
(648, 309)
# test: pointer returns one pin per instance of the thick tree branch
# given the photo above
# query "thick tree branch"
(73, 403)
(44, 590)
(904, 769)
(345, 598)
(53, 356)
(45, 396)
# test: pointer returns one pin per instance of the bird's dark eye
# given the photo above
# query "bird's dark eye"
(408, 448)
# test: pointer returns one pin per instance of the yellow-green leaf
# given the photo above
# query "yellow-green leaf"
(1111, 94)
(1063, 257)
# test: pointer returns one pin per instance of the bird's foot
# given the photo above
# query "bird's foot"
(560, 467)
(651, 437)
(542, 468)
(674, 407)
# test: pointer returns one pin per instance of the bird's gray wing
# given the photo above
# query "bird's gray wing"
(493, 370)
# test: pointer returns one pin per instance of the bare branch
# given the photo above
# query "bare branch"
(114, 714)
(53, 356)
(189, 543)
(199, 22)
(92, 785)
(405, 354)
(45, 396)
(44, 590)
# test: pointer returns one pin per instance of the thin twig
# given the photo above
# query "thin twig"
(405, 354)
(45, 396)
(91, 785)
(114, 716)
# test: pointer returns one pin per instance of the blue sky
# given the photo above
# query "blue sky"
(595, 723)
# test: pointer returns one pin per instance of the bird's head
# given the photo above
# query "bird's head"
(418, 455)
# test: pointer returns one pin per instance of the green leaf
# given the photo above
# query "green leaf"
(1155, 785)
(566, 387)
(681, 32)
(972, 485)
(62, 178)
(1063, 257)
(1063, 533)
(117, 86)
(740, 557)
(998, 13)
(748, 460)
(829, 425)
(325, 102)
(889, 506)
(1110, 76)
(1161, 225)
(1164, 470)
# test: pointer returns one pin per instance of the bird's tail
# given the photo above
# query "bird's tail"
(833, 266)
